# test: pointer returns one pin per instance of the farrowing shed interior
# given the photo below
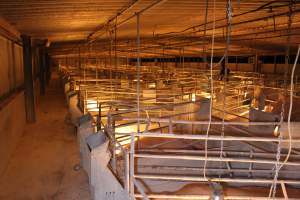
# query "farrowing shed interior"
(149, 99)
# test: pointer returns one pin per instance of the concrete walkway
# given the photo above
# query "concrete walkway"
(42, 166)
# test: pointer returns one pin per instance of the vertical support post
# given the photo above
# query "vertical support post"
(85, 103)
(183, 58)
(111, 133)
(42, 76)
(138, 66)
(113, 126)
(256, 64)
(28, 79)
(170, 126)
(13, 69)
(48, 68)
(97, 62)
(99, 117)
(236, 64)
(116, 60)
(132, 144)
(126, 178)
(275, 64)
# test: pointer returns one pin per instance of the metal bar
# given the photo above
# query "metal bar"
(239, 153)
(206, 197)
(127, 172)
(140, 189)
(228, 165)
(284, 191)
(131, 188)
(138, 66)
(99, 120)
(210, 137)
(154, 4)
(214, 159)
(110, 129)
(170, 126)
(203, 122)
(251, 164)
(201, 179)
(216, 170)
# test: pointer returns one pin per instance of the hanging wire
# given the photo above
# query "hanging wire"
(273, 188)
(204, 33)
(211, 87)
(288, 126)
(228, 34)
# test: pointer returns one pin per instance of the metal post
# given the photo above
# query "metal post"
(170, 126)
(28, 79)
(250, 165)
(275, 65)
(132, 144)
(138, 68)
(131, 170)
(85, 101)
(127, 172)
(111, 132)
(114, 144)
(99, 117)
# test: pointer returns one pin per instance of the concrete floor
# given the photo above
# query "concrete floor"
(42, 166)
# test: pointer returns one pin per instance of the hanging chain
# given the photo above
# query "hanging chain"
(278, 155)
(229, 20)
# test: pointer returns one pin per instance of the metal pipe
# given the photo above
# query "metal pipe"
(156, 3)
(239, 153)
(210, 137)
(112, 19)
(200, 179)
(202, 122)
(140, 189)
(127, 172)
(131, 170)
(138, 66)
(214, 159)
(216, 170)
(206, 197)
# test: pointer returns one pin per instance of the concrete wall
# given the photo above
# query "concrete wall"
(12, 122)
(12, 101)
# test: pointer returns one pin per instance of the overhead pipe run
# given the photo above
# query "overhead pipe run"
(154, 4)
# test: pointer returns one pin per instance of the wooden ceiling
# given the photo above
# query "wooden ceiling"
(168, 27)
